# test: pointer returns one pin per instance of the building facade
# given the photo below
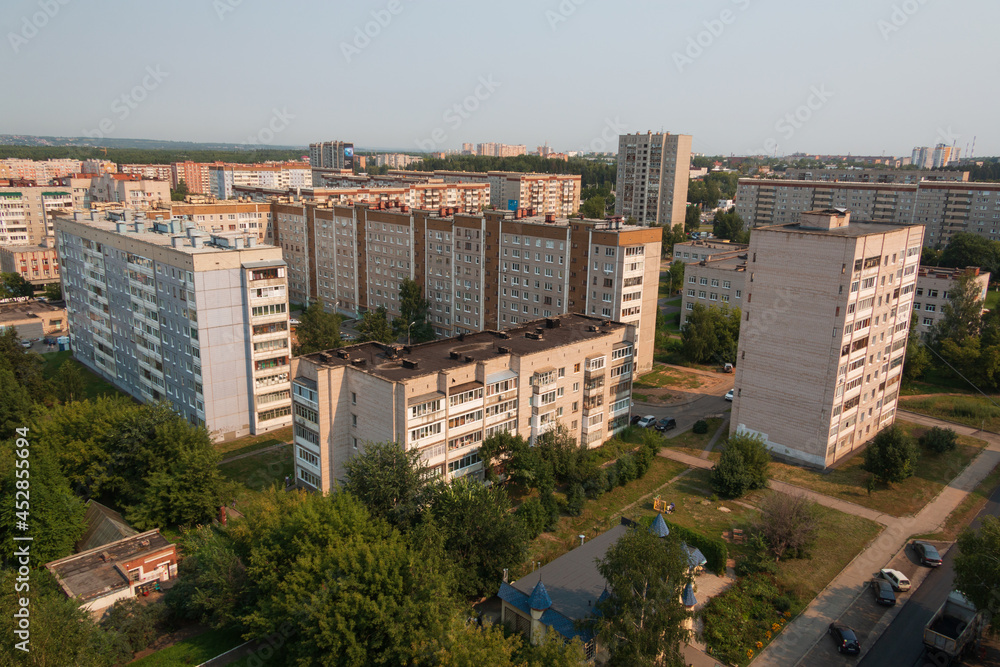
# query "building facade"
(444, 398)
(26, 213)
(869, 175)
(332, 155)
(165, 312)
(222, 178)
(653, 177)
(38, 264)
(129, 190)
(933, 286)
(824, 327)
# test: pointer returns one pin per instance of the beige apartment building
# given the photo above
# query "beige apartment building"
(555, 194)
(694, 251)
(194, 175)
(222, 178)
(38, 264)
(39, 171)
(716, 281)
(444, 398)
(150, 172)
(933, 285)
(228, 216)
(942, 207)
(26, 213)
(869, 175)
(167, 312)
(824, 327)
(653, 177)
(129, 190)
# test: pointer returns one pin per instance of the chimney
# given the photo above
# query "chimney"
(120, 227)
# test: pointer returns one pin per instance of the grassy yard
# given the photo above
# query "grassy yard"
(693, 443)
(261, 471)
(992, 299)
(193, 651)
(93, 385)
(975, 411)
(848, 481)
(967, 510)
(665, 376)
(252, 443)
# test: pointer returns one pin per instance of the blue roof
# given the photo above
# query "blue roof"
(539, 599)
(688, 599)
(514, 597)
(695, 557)
(550, 617)
(659, 527)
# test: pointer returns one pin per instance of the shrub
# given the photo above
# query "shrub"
(626, 469)
(551, 509)
(939, 440)
(612, 477)
(532, 515)
(742, 467)
(756, 558)
(596, 484)
(788, 524)
(715, 550)
(700, 427)
(738, 618)
(575, 500)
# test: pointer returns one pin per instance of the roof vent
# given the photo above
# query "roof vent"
(468, 359)
(410, 363)
(343, 354)
(454, 355)
(552, 323)
(592, 328)
(503, 350)
(504, 335)
(533, 335)
(360, 362)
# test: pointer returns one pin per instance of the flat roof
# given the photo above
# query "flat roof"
(854, 229)
(731, 260)
(23, 309)
(399, 363)
(165, 239)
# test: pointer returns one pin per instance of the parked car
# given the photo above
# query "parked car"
(729, 395)
(896, 578)
(293, 322)
(646, 422)
(635, 420)
(728, 368)
(26, 344)
(927, 553)
(845, 639)
(882, 591)
(666, 424)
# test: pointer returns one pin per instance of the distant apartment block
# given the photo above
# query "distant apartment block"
(695, 251)
(869, 175)
(38, 264)
(332, 155)
(653, 177)
(933, 287)
(718, 280)
(277, 175)
(825, 320)
(942, 207)
(556, 194)
(443, 398)
(941, 155)
(194, 175)
(40, 171)
(168, 313)
(493, 149)
(394, 160)
(26, 213)
(129, 190)
(228, 216)
(152, 172)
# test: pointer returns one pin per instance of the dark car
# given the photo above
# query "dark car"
(666, 424)
(635, 420)
(845, 639)
(882, 590)
(927, 553)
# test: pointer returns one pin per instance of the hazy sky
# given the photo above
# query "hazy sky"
(859, 76)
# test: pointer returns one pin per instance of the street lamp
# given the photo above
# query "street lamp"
(408, 332)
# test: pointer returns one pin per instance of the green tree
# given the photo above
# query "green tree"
(692, 218)
(640, 619)
(181, 192)
(13, 285)
(728, 225)
(930, 256)
(742, 466)
(53, 292)
(374, 326)
(962, 312)
(939, 440)
(668, 237)
(594, 208)
(917, 359)
(977, 568)
(69, 382)
(25, 365)
(497, 450)
(968, 249)
(891, 455)
(415, 309)
(390, 481)
(711, 334)
(212, 586)
(482, 536)
(788, 524)
(317, 330)
(15, 403)
(675, 280)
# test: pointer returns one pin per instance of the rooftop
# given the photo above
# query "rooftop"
(399, 363)
(20, 310)
(949, 273)
(855, 229)
(735, 260)
(104, 525)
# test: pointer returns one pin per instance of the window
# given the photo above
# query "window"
(274, 414)
(467, 418)
(465, 397)
(419, 433)
(465, 440)
(421, 410)
(308, 456)
(928, 321)
(930, 308)
(467, 461)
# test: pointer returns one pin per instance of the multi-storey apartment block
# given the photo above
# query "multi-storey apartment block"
(194, 175)
(653, 177)
(824, 327)
(151, 172)
(716, 281)
(42, 172)
(332, 155)
(869, 175)
(228, 216)
(445, 397)
(129, 190)
(26, 213)
(276, 175)
(170, 313)
(556, 194)
(38, 264)
(933, 286)
(695, 251)
(943, 207)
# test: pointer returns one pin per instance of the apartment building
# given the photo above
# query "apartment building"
(26, 213)
(942, 207)
(38, 264)
(695, 251)
(39, 171)
(653, 177)
(489, 271)
(275, 175)
(824, 327)
(150, 172)
(168, 312)
(332, 155)
(228, 216)
(129, 190)
(933, 285)
(718, 280)
(194, 175)
(556, 194)
(869, 175)
(445, 397)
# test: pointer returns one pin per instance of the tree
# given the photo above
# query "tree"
(69, 382)
(917, 358)
(481, 535)
(24, 364)
(668, 237)
(374, 326)
(389, 481)
(891, 455)
(15, 403)
(962, 313)
(639, 621)
(53, 292)
(930, 256)
(787, 523)
(497, 450)
(969, 249)
(317, 329)
(413, 308)
(594, 208)
(728, 226)
(692, 218)
(675, 280)
(977, 568)
(939, 440)
(212, 586)
(711, 334)
(181, 192)
(13, 285)
(742, 467)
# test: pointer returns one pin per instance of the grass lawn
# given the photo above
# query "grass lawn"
(692, 494)
(693, 443)
(665, 376)
(937, 381)
(967, 510)
(194, 650)
(992, 299)
(252, 443)
(975, 411)
(848, 481)
(260, 472)
(93, 385)
(599, 515)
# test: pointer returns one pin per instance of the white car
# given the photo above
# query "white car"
(729, 395)
(896, 578)
(26, 344)
(646, 422)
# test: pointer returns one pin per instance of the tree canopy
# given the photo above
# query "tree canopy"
(729, 225)
(891, 455)
(977, 567)
(390, 481)
(13, 285)
(968, 249)
(711, 334)
(742, 466)
(415, 309)
(374, 326)
(317, 330)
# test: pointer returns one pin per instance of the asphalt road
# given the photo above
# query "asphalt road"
(902, 642)
(708, 405)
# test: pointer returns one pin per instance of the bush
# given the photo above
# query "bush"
(742, 467)
(788, 525)
(756, 558)
(575, 500)
(550, 507)
(626, 469)
(715, 550)
(939, 440)
(738, 618)
(891, 455)
(533, 517)
(596, 484)
(700, 427)
(783, 603)
(612, 477)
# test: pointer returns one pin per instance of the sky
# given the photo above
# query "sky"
(866, 77)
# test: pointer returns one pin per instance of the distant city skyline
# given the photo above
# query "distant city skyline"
(741, 77)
